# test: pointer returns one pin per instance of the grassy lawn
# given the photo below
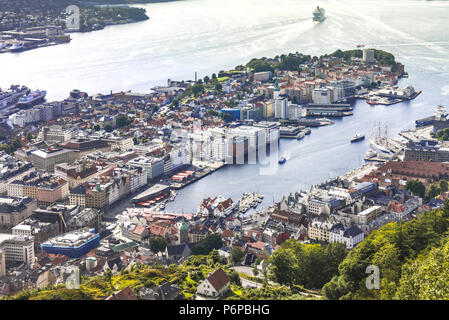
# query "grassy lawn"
(236, 290)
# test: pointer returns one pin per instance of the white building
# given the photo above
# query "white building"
(321, 96)
(294, 111)
(256, 136)
(318, 207)
(216, 285)
(154, 167)
(23, 230)
(262, 76)
(272, 130)
(180, 156)
(55, 133)
(17, 248)
(350, 236)
(23, 117)
(280, 108)
(120, 143)
(368, 55)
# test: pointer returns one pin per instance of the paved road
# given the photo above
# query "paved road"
(249, 284)
(249, 271)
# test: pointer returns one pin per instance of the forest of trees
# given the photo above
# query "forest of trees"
(290, 62)
(308, 265)
(382, 57)
(442, 135)
(412, 258)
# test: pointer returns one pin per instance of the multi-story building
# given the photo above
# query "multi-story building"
(107, 188)
(40, 231)
(255, 135)
(11, 169)
(319, 230)
(280, 108)
(426, 152)
(77, 173)
(349, 236)
(321, 96)
(368, 55)
(97, 198)
(345, 90)
(17, 248)
(271, 130)
(55, 133)
(77, 196)
(262, 76)
(74, 244)
(47, 159)
(14, 210)
(65, 217)
(120, 143)
(318, 207)
(294, 111)
(268, 110)
(47, 189)
(196, 235)
(82, 146)
(24, 117)
(154, 167)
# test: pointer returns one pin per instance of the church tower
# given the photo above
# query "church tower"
(183, 232)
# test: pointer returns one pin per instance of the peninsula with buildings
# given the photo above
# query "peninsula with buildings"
(31, 24)
(84, 182)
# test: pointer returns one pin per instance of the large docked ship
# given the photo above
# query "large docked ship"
(11, 96)
(31, 98)
(380, 143)
(318, 14)
(73, 244)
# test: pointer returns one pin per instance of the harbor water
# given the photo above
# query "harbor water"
(205, 36)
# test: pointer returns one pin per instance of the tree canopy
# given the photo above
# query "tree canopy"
(157, 244)
(405, 254)
(308, 265)
(208, 244)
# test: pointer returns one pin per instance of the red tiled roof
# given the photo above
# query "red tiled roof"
(256, 245)
(227, 233)
(124, 294)
(218, 279)
(139, 230)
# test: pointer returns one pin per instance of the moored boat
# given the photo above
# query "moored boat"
(32, 98)
(282, 160)
(358, 137)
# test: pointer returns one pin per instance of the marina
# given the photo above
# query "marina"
(248, 200)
